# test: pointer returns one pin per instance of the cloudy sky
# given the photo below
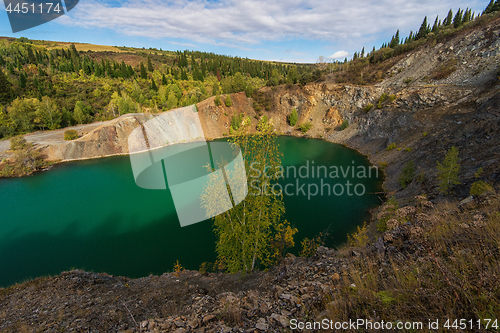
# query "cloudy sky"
(282, 30)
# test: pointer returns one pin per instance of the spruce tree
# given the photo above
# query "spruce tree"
(22, 80)
(435, 25)
(150, 65)
(424, 29)
(449, 19)
(144, 75)
(489, 8)
(6, 93)
(457, 21)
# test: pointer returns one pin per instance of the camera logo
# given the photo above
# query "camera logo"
(26, 14)
(170, 150)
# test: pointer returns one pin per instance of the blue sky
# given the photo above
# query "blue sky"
(281, 30)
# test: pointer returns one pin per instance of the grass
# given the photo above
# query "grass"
(453, 272)
(305, 127)
(445, 70)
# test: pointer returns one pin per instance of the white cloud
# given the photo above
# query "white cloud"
(245, 23)
(339, 54)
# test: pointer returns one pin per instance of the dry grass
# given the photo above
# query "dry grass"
(445, 70)
(89, 47)
(449, 269)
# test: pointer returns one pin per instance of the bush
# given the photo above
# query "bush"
(392, 97)
(293, 117)
(217, 100)
(228, 101)
(408, 80)
(70, 134)
(391, 146)
(17, 142)
(480, 188)
(344, 125)
(407, 174)
(445, 70)
(305, 127)
(236, 121)
(368, 107)
(383, 98)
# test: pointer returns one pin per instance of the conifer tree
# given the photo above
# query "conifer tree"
(435, 25)
(153, 85)
(150, 65)
(449, 19)
(6, 93)
(457, 21)
(424, 29)
(144, 75)
(164, 80)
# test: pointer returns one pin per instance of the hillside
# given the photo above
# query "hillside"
(425, 255)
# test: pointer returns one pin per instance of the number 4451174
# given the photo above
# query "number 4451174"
(26, 8)
(471, 324)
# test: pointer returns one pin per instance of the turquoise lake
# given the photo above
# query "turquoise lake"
(91, 215)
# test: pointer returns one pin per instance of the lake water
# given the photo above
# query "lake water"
(91, 215)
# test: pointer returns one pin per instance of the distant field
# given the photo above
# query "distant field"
(90, 47)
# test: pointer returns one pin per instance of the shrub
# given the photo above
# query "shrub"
(305, 127)
(17, 142)
(360, 237)
(407, 174)
(448, 171)
(445, 70)
(383, 98)
(70, 135)
(236, 121)
(293, 117)
(228, 101)
(392, 97)
(368, 107)
(344, 125)
(479, 188)
(408, 80)
(391, 146)
(217, 100)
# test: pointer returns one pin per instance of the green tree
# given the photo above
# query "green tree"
(80, 113)
(144, 74)
(215, 88)
(228, 101)
(217, 100)
(448, 171)
(247, 234)
(424, 29)
(48, 114)
(449, 19)
(457, 20)
(293, 118)
(172, 100)
(6, 93)
(150, 65)
(22, 113)
(153, 85)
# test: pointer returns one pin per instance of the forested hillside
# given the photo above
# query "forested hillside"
(48, 85)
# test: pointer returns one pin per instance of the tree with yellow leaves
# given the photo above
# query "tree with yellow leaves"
(253, 233)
